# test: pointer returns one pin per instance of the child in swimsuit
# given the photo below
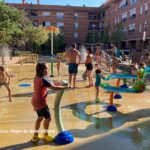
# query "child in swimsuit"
(58, 65)
(5, 81)
(97, 83)
(39, 100)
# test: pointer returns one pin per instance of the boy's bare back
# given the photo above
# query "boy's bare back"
(72, 55)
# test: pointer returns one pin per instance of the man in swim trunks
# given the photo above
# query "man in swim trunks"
(73, 59)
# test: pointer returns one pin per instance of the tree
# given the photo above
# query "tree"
(35, 37)
(59, 42)
(97, 37)
(105, 36)
(10, 19)
(116, 36)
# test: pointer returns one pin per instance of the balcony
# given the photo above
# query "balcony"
(59, 18)
(124, 20)
(94, 18)
(133, 16)
(93, 28)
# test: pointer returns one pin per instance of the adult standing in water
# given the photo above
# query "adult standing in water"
(73, 59)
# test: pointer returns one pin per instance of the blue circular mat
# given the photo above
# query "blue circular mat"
(24, 85)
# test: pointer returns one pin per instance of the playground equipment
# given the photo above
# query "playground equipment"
(137, 88)
(64, 137)
(28, 58)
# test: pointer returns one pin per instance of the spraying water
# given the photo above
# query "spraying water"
(5, 54)
(83, 53)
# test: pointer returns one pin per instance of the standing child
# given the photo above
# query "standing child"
(89, 66)
(39, 100)
(97, 83)
(114, 63)
(58, 65)
(141, 70)
(5, 80)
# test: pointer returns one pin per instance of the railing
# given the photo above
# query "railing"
(28, 58)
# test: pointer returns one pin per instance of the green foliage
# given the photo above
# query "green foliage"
(35, 37)
(97, 37)
(58, 42)
(10, 23)
(116, 36)
(16, 30)
(105, 36)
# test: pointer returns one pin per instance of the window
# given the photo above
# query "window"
(76, 16)
(141, 9)
(124, 31)
(146, 7)
(46, 24)
(133, 2)
(60, 25)
(75, 35)
(35, 23)
(145, 25)
(46, 13)
(123, 4)
(124, 16)
(60, 15)
(133, 13)
(131, 27)
(76, 25)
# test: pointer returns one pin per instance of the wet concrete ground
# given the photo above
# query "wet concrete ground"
(92, 126)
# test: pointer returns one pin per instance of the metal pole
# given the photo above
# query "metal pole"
(52, 37)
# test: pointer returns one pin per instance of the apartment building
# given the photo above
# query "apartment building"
(134, 16)
(75, 22)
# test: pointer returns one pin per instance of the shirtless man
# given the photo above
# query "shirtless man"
(73, 59)
(5, 80)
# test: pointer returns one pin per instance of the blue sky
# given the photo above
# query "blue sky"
(93, 3)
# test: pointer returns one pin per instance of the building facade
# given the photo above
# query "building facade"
(75, 22)
(134, 17)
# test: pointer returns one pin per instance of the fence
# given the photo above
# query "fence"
(28, 58)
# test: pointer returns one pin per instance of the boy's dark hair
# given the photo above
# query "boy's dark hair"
(114, 54)
(98, 45)
(142, 64)
(74, 45)
(40, 67)
(147, 54)
(2, 68)
(90, 50)
(97, 71)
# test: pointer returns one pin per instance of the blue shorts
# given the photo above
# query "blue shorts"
(73, 68)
